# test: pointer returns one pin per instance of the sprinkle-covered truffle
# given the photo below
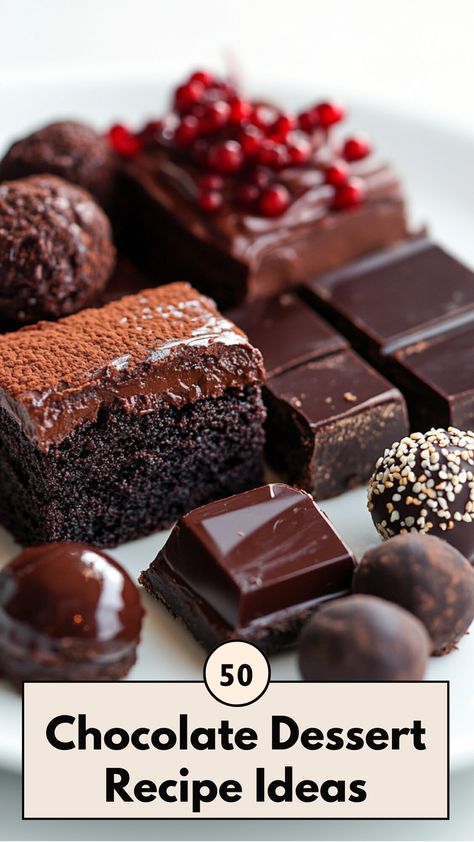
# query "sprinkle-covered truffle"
(56, 250)
(425, 483)
(362, 638)
(71, 150)
(427, 577)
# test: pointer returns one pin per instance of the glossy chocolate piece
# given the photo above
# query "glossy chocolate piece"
(425, 483)
(234, 255)
(395, 297)
(328, 420)
(427, 577)
(162, 347)
(251, 566)
(67, 611)
(436, 377)
(286, 331)
(362, 638)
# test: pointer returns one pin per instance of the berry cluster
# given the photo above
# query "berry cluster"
(242, 146)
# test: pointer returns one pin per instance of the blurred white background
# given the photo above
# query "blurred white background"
(413, 55)
(410, 56)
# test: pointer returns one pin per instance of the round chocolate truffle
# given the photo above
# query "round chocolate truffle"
(425, 483)
(67, 612)
(428, 577)
(71, 150)
(362, 638)
(56, 250)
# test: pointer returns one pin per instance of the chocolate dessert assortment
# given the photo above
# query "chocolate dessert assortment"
(251, 567)
(120, 419)
(150, 407)
(67, 612)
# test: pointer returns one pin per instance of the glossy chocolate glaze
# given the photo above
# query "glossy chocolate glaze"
(396, 297)
(265, 256)
(258, 553)
(164, 346)
(286, 331)
(436, 376)
(63, 592)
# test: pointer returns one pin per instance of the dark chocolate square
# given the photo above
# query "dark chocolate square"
(436, 376)
(286, 331)
(395, 297)
(328, 422)
(252, 566)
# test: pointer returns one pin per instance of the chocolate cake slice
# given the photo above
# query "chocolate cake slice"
(246, 200)
(117, 420)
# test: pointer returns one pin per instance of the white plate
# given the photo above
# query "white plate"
(437, 166)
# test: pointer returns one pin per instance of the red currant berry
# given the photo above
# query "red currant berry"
(273, 155)
(151, 132)
(226, 156)
(336, 174)
(210, 201)
(307, 121)
(187, 131)
(123, 141)
(247, 196)
(282, 126)
(240, 110)
(274, 200)
(328, 113)
(187, 95)
(216, 115)
(251, 140)
(205, 79)
(210, 181)
(263, 116)
(299, 150)
(348, 195)
(200, 152)
(356, 148)
(260, 177)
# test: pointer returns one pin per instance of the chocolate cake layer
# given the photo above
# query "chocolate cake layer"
(329, 420)
(396, 297)
(252, 567)
(286, 331)
(234, 255)
(118, 420)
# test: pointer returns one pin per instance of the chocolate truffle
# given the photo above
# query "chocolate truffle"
(71, 150)
(425, 483)
(362, 638)
(426, 576)
(56, 251)
(67, 613)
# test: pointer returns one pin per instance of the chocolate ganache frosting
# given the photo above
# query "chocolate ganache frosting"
(162, 346)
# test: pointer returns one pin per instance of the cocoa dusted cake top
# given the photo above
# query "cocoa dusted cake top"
(166, 345)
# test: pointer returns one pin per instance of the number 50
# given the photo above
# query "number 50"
(244, 675)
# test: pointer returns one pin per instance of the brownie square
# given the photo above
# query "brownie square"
(286, 331)
(251, 567)
(328, 422)
(116, 420)
(436, 376)
(396, 297)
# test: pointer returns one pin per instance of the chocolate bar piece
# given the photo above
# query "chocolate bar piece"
(396, 297)
(328, 422)
(286, 331)
(116, 420)
(251, 567)
(436, 376)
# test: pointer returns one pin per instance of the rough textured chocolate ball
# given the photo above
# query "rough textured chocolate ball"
(71, 150)
(428, 577)
(56, 250)
(362, 638)
(425, 483)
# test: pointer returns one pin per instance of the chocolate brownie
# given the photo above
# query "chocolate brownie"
(251, 567)
(117, 420)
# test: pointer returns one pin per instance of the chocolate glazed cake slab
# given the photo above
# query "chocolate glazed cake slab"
(119, 419)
